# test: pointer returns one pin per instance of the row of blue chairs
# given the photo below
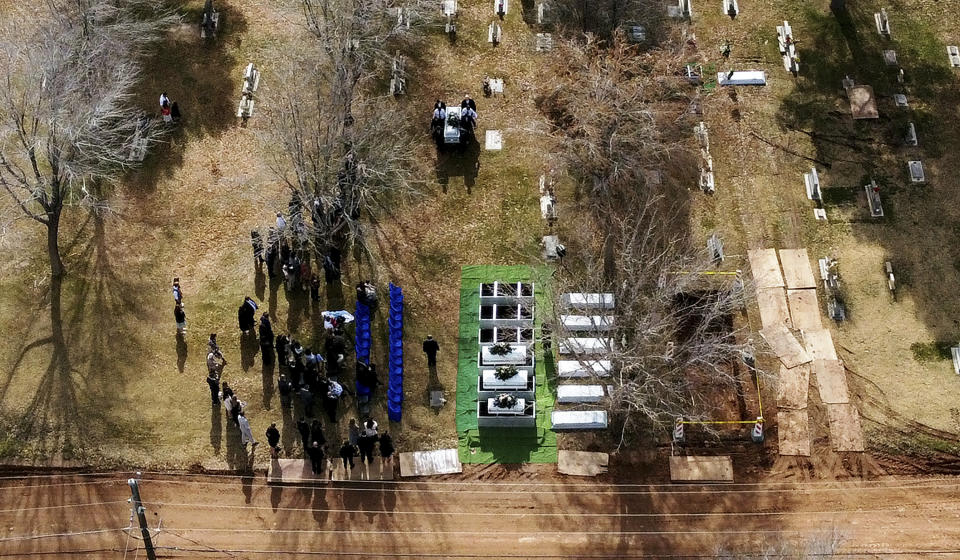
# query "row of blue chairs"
(395, 355)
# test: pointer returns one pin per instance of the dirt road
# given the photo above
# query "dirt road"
(218, 517)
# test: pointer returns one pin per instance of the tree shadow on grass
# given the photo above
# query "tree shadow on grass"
(200, 76)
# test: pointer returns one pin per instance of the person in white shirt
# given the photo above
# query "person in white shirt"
(164, 100)
(370, 428)
(281, 223)
(246, 435)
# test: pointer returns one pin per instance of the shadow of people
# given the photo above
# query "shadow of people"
(259, 282)
(236, 453)
(276, 493)
(275, 281)
(459, 161)
(267, 377)
(288, 430)
(246, 483)
(249, 346)
(216, 427)
(181, 352)
(389, 493)
(335, 296)
(319, 504)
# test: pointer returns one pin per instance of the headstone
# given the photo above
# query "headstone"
(891, 279)
(449, 7)
(403, 17)
(715, 248)
(873, 199)
(211, 21)
(883, 22)
(900, 99)
(437, 399)
(578, 420)
(791, 62)
(493, 33)
(451, 26)
(812, 182)
(848, 82)
(552, 249)
(694, 73)
(890, 57)
(911, 137)
(836, 310)
(544, 42)
(501, 7)
(572, 394)
(635, 33)
(820, 214)
(916, 172)
(398, 80)
(496, 85)
(138, 146)
(707, 183)
(955, 352)
(953, 53)
(686, 9)
(493, 140)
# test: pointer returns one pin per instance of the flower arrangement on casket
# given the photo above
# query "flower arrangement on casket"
(505, 400)
(501, 349)
(505, 372)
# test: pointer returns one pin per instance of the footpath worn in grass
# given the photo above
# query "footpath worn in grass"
(502, 445)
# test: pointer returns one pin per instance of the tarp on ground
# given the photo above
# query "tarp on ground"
(502, 445)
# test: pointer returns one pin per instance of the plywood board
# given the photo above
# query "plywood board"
(804, 309)
(819, 344)
(793, 386)
(793, 429)
(426, 463)
(773, 307)
(831, 381)
(582, 463)
(701, 469)
(765, 268)
(845, 430)
(797, 272)
(785, 346)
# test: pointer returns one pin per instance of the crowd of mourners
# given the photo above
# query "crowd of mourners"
(310, 377)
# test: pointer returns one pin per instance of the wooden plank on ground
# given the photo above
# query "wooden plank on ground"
(793, 388)
(785, 346)
(831, 381)
(773, 307)
(426, 463)
(582, 463)
(819, 344)
(766, 268)
(804, 309)
(797, 272)
(701, 469)
(793, 429)
(845, 430)
(291, 471)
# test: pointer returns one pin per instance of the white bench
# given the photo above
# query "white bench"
(575, 369)
(587, 301)
(570, 394)
(578, 419)
(916, 171)
(883, 22)
(586, 322)
(812, 182)
(585, 345)
(742, 78)
(251, 81)
(953, 53)
(493, 33)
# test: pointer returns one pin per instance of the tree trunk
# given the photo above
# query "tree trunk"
(53, 244)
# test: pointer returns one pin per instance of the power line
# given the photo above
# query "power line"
(62, 506)
(545, 514)
(57, 535)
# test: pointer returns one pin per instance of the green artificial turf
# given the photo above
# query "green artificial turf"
(502, 445)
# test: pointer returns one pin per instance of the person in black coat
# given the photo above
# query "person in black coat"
(347, 453)
(316, 455)
(316, 432)
(285, 388)
(304, 430)
(366, 444)
(266, 331)
(273, 440)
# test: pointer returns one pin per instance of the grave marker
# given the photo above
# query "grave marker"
(694, 73)
(731, 8)
(873, 199)
(544, 42)
(916, 172)
(398, 80)
(715, 248)
(742, 78)
(500, 7)
(911, 138)
(703, 137)
(891, 279)
(791, 62)
(211, 21)
(953, 53)
(812, 182)
(890, 57)
(820, 214)
(493, 140)
(955, 352)
(900, 99)
(138, 147)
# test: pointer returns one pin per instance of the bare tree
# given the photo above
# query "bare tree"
(339, 147)
(66, 118)
(616, 112)
(603, 18)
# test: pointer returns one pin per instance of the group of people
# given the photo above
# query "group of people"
(361, 441)
(169, 111)
(467, 120)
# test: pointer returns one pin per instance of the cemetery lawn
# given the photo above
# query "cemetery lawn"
(768, 137)
(131, 395)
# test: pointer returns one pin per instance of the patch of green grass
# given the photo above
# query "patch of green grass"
(931, 351)
(840, 195)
